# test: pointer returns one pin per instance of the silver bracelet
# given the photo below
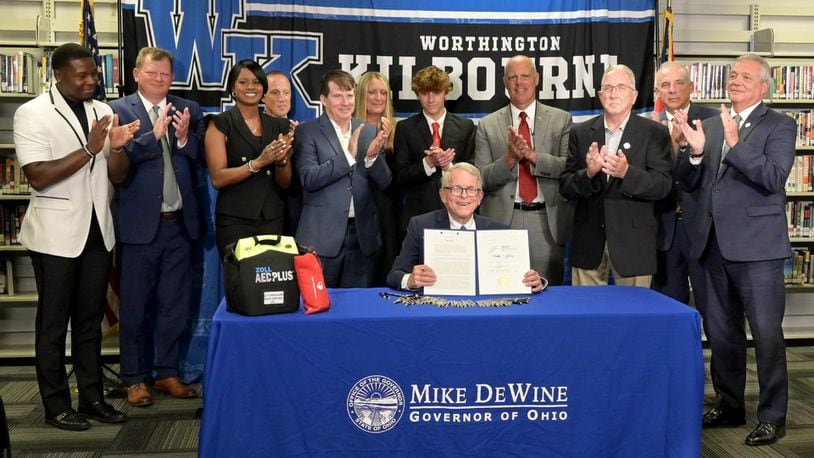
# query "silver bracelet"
(251, 169)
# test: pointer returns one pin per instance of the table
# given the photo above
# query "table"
(579, 371)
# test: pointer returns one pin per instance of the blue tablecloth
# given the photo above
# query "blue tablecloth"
(579, 371)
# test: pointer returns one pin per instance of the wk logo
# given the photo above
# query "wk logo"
(287, 51)
(190, 30)
(208, 38)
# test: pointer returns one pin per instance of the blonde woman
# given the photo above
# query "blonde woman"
(374, 106)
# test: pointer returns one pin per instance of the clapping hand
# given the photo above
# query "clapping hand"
(695, 138)
(276, 151)
(615, 165)
(594, 160)
(519, 148)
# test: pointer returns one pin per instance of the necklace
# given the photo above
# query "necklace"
(253, 125)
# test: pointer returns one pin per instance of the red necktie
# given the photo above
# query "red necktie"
(436, 135)
(528, 185)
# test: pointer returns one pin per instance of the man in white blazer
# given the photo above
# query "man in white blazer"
(68, 230)
(506, 150)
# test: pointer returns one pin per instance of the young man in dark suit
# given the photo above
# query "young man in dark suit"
(618, 166)
(156, 215)
(461, 192)
(427, 143)
(738, 163)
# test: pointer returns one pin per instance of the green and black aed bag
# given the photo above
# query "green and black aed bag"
(259, 275)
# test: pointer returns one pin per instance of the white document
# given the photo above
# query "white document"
(451, 255)
(503, 259)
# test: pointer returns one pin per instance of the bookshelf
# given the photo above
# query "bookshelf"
(34, 28)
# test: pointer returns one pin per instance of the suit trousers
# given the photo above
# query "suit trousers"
(547, 258)
(71, 289)
(677, 270)
(351, 268)
(756, 289)
(156, 290)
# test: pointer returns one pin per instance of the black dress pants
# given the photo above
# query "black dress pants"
(70, 290)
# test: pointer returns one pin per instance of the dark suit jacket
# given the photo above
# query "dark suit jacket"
(666, 208)
(412, 137)
(619, 210)
(136, 209)
(329, 183)
(745, 203)
(412, 250)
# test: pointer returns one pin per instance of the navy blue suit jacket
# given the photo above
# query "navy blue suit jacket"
(746, 202)
(329, 183)
(137, 200)
(666, 208)
(412, 250)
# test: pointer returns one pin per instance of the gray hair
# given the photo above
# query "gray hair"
(685, 73)
(463, 166)
(765, 69)
(620, 68)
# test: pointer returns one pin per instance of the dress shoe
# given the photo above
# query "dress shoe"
(138, 395)
(716, 418)
(175, 388)
(765, 434)
(68, 420)
(102, 412)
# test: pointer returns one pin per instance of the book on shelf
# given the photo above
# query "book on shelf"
(11, 220)
(789, 82)
(18, 73)
(801, 176)
(792, 82)
(23, 273)
(3, 276)
(12, 178)
(799, 268)
(798, 217)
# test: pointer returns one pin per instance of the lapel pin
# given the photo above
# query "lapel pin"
(626, 145)
(747, 124)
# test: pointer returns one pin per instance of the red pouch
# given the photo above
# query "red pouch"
(312, 283)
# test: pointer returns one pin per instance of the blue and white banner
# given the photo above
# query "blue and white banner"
(571, 42)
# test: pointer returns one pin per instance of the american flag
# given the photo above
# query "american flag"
(666, 48)
(87, 36)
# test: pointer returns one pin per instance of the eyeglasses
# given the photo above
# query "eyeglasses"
(621, 89)
(459, 191)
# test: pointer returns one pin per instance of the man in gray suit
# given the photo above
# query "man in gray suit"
(338, 158)
(521, 150)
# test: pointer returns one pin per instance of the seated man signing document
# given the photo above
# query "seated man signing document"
(461, 192)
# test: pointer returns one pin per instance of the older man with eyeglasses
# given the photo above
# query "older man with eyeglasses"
(461, 192)
(618, 166)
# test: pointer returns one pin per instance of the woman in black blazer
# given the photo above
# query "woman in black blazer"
(248, 155)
